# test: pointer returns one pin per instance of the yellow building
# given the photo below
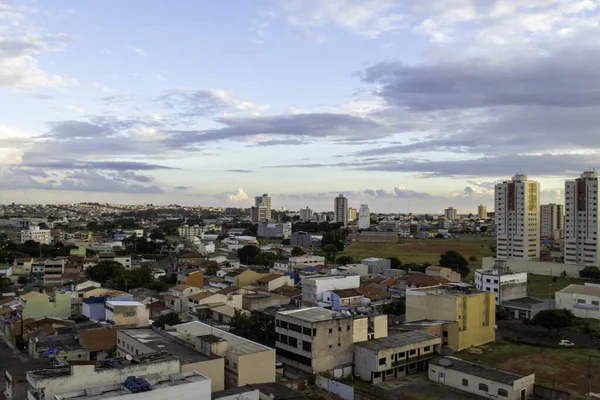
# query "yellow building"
(38, 305)
(474, 313)
(196, 279)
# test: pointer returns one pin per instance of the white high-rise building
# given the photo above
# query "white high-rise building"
(517, 205)
(551, 221)
(364, 217)
(340, 207)
(263, 204)
(482, 212)
(581, 220)
(305, 214)
(450, 213)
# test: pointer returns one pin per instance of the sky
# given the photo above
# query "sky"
(404, 105)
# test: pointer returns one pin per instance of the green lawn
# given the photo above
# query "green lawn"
(567, 368)
(543, 285)
(422, 251)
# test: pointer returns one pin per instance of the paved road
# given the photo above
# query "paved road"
(418, 384)
(534, 334)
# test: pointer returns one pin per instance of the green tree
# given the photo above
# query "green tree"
(257, 326)
(455, 261)
(286, 242)
(211, 270)
(345, 260)
(247, 254)
(396, 307)
(590, 273)
(22, 280)
(266, 258)
(298, 251)
(395, 263)
(553, 319)
(167, 319)
(105, 271)
(330, 250)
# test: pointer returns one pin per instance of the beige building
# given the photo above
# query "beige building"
(582, 223)
(394, 356)
(352, 214)
(482, 212)
(450, 213)
(127, 313)
(551, 221)
(474, 312)
(198, 356)
(273, 281)
(443, 272)
(517, 205)
(241, 356)
(481, 380)
(582, 300)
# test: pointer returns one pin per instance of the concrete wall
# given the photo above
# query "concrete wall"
(537, 267)
(248, 373)
(260, 303)
(41, 306)
(214, 369)
(455, 378)
(93, 311)
(196, 279)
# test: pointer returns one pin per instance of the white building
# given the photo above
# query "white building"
(582, 300)
(450, 213)
(551, 221)
(127, 313)
(314, 288)
(190, 231)
(364, 217)
(517, 204)
(340, 208)
(582, 222)
(36, 234)
(305, 214)
(506, 285)
(482, 212)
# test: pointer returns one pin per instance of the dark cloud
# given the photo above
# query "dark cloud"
(279, 142)
(103, 165)
(182, 187)
(205, 102)
(243, 171)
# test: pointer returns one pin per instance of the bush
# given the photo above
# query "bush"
(590, 273)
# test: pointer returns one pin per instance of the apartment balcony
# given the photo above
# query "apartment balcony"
(413, 359)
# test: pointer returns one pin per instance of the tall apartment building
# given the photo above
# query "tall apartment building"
(340, 207)
(482, 212)
(36, 234)
(263, 207)
(581, 220)
(450, 213)
(305, 214)
(352, 214)
(473, 312)
(551, 221)
(517, 204)
(364, 217)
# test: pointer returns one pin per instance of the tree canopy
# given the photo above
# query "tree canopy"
(257, 326)
(265, 258)
(345, 260)
(247, 254)
(298, 251)
(167, 319)
(397, 307)
(455, 261)
(395, 263)
(553, 319)
(590, 273)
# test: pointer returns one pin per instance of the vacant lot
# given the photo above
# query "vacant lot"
(567, 368)
(544, 286)
(422, 251)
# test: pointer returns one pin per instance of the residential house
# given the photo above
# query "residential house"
(37, 305)
(95, 307)
(582, 300)
(196, 279)
(99, 343)
(273, 281)
(313, 288)
(480, 380)
(22, 266)
(217, 282)
(127, 313)
(240, 278)
(373, 296)
(178, 299)
(62, 347)
(344, 299)
(353, 269)
(446, 273)
(157, 308)
(53, 271)
(419, 281)
(474, 312)
(377, 265)
(394, 356)
(263, 300)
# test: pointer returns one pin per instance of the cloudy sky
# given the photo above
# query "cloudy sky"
(407, 105)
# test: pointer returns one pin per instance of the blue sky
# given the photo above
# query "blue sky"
(407, 106)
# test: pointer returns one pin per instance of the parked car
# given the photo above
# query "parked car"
(566, 343)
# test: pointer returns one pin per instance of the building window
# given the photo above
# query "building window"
(382, 361)
(292, 341)
(426, 348)
(284, 339)
(306, 346)
(595, 303)
(284, 324)
(314, 331)
(306, 331)
(330, 346)
(234, 365)
(413, 352)
(348, 328)
(465, 382)
(581, 301)
(503, 392)
(339, 328)
(376, 374)
(330, 330)
(483, 387)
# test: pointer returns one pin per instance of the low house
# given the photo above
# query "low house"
(127, 313)
(394, 356)
(262, 300)
(582, 300)
(419, 281)
(94, 307)
(443, 272)
(481, 380)
(22, 266)
(373, 296)
(98, 343)
(273, 281)
(377, 265)
(344, 299)
(41, 305)
(177, 301)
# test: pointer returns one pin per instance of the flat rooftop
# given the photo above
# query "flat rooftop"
(125, 303)
(232, 392)
(525, 302)
(235, 344)
(450, 289)
(156, 383)
(313, 314)
(398, 340)
(493, 374)
(157, 342)
(582, 289)
(327, 277)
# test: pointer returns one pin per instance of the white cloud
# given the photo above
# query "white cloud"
(237, 196)
(139, 51)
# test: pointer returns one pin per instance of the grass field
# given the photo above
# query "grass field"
(567, 368)
(543, 286)
(422, 251)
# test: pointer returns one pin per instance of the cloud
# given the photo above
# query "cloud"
(139, 51)
(102, 165)
(236, 196)
(20, 45)
(196, 103)
(243, 171)
(279, 142)
(182, 187)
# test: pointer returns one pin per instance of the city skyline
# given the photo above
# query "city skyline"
(217, 103)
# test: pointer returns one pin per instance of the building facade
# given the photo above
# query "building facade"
(42, 236)
(582, 300)
(582, 222)
(504, 283)
(301, 239)
(340, 207)
(450, 213)
(364, 217)
(352, 214)
(263, 207)
(482, 212)
(314, 288)
(306, 214)
(517, 204)
(551, 221)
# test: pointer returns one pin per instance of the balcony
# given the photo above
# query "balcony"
(413, 359)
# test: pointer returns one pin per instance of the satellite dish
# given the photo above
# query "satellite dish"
(444, 362)
(128, 357)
